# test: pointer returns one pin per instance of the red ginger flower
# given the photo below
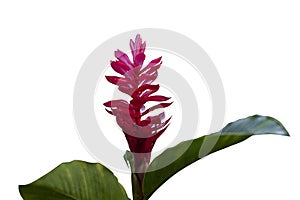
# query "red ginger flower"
(137, 82)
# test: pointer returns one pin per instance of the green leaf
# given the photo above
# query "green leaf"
(76, 180)
(190, 151)
(128, 157)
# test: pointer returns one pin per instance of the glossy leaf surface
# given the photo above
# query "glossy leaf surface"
(190, 151)
(76, 180)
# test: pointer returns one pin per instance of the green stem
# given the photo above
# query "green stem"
(138, 165)
(137, 186)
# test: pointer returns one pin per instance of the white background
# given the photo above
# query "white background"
(255, 46)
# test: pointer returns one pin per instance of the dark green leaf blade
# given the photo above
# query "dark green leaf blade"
(76, 180)
(196, 149)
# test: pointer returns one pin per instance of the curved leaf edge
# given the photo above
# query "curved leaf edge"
(28, 189)
(200, 140)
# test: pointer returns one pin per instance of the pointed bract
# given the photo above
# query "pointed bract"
(136, 81)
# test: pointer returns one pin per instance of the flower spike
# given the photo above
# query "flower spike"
(136, 81)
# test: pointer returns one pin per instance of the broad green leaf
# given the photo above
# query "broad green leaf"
(190, 151)
(76, 180)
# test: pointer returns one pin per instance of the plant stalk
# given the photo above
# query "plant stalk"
(139, 168)
(137, 185)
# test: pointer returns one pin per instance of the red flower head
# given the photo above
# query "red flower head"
(136, 81)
